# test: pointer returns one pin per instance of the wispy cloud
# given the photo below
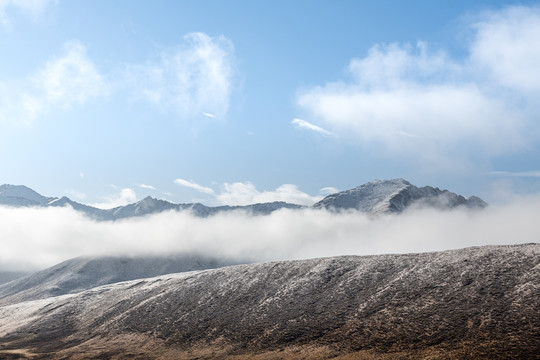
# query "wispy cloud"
(195, 186)
(485, 103)
(33, 8)
(517, 173)
(71, 79)
(77, 194)
(194, 78)
(328, 190)
(307, 125)
(148, 187)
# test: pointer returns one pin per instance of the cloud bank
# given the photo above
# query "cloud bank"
(57, 234)
(413, 100)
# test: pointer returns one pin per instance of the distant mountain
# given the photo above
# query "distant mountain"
(21, 196)
(475, 303)
(82, 273)
(379, 196)
(394, 196)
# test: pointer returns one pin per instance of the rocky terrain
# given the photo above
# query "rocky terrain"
(7, 276)
(474, 303)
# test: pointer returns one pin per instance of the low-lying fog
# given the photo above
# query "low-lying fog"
(34, 238)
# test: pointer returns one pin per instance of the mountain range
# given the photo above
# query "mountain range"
(472, 303)
(376, 197)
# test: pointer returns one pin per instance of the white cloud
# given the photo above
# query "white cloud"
(193, 185)
(193, 78)
(77, 194)
(517, 173)
(58, 234)
(125, 197)
(65, 81)
(246, 193)
(34, 8)
(328, 190)
(148, 187)
(307, 125)
(419, 102)
(508, 45)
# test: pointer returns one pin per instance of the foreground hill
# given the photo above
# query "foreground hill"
(83, 273)
(460, 304)
(7, 276)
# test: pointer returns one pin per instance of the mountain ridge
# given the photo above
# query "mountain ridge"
(375, 197)
(394, 196)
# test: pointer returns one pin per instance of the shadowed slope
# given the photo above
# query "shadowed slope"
(83, 273)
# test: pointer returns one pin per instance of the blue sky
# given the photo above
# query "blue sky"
(232, 102)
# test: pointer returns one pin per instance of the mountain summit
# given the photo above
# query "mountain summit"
(20, 195)
(394, 196)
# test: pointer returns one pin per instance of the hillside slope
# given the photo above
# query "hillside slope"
(474, 303)
(83, 273)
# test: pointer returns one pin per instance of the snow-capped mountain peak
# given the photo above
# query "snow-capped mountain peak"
(394, 196)
(20, 195)
(378, 196)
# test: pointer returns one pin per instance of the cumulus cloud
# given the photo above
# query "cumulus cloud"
(125, 197)
(245, 193)
(302, 124)
(507, 44)
(71, 79)
(193, 78)
(57, 234)
(412, 100)
(517, 173)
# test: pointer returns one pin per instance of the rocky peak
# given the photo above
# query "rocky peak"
(394, 196)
